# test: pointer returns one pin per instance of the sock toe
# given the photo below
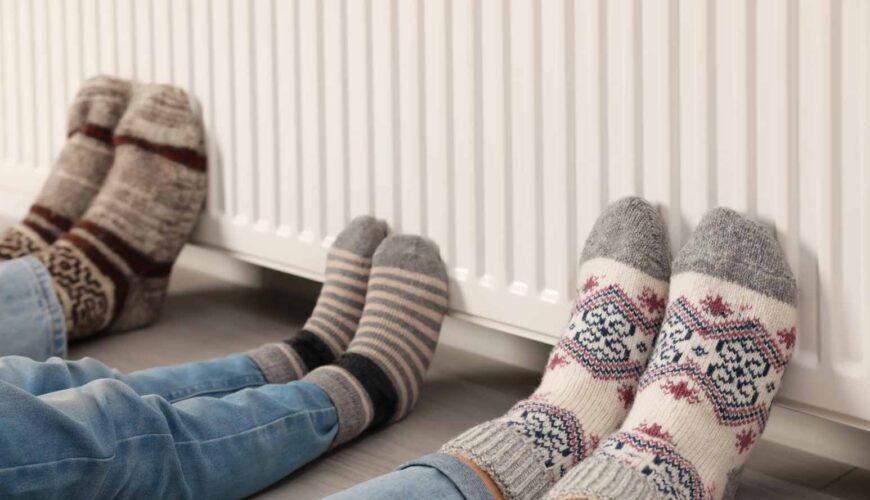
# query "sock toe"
(631, 231)
(735, 248)
(362, 235)
(411, 253)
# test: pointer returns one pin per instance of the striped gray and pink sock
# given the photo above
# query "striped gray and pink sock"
(336, 316)
(378, 379)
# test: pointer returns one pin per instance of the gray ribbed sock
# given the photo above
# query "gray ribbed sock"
(590, 379)
(336, 316)
(79, 171)
(378, 379)
(705, 395)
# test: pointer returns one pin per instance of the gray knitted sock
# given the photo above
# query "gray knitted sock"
(336, 316)
(112, 268)
(589, 382)
(706, 393)
(79, 171)
(378, 379)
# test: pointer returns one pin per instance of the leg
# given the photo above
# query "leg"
(214, 377)
(436, 476)
(31, 318)
(104, 440)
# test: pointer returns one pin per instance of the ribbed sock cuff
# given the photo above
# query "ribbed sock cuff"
(604, 478)
(282, 362)
(513, 462)
(278, 362)
(352, 403)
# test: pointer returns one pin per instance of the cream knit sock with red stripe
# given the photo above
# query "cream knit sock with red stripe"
(336, 316)
(112, 268)
(79, 171)
(706, 394)
(590, 379)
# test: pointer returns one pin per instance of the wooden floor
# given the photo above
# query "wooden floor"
(205, 318)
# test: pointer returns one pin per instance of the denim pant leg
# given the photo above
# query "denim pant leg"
(437, 477)
(102, 440)
(214, 377)
(31, 317)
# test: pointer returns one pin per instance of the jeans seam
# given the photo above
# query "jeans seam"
(202, 389)
(166, 434)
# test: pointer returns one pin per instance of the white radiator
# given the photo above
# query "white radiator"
(500, 129)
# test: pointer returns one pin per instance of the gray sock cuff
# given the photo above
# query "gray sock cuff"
(352, 403)
(279, 363)
(604, 478)
(510, 460)
(734, 248)
(631, 231)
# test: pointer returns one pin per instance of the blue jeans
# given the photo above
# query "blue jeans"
(31, 318)
(437, 477)
(211, 429)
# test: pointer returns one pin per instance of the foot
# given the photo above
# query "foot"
(79, 171)
(112, 269)
(705, 396)
(378, 379)
(590, 379)
(336, 316)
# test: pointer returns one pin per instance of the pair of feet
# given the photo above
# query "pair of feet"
(122, 200)
(372, 334)
(665, 375)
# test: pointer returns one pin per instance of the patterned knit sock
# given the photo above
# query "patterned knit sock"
(378, 379)
(590, 379)
(79, 171)
(113, 267)
(705, 396)
(336, 316)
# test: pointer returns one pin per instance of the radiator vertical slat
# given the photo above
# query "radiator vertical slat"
(621, 28)
(143, 18)
(465, 140)
(853, 67)
(265, 142)
(359, 150)
(288, 118)
(494, 143)
(27, 106)
(181, 29)
(243, 87)
(557, 266)
(524, 215)
(310, 78)
(125, 28)
(42, 85)
(588, 116)
(437, 153)
(334, 117)
(410, 101)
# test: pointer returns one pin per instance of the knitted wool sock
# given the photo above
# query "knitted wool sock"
(378, 379)
(590, 379)
(705, 396)
(79, 171)
(336, 316)
(113, 267)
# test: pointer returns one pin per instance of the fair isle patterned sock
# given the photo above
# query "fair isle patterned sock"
(705, 396)
(590, 379)
(112, 269)
(79, 171)
(336, 316)
(378, 379)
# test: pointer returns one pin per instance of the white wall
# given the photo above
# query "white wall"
(500, 128)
